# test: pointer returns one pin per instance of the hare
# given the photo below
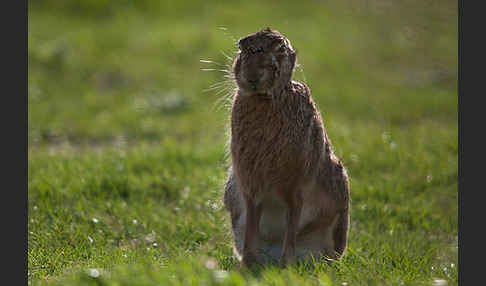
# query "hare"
(287, 193)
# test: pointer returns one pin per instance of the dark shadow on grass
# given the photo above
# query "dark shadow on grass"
(310, 267)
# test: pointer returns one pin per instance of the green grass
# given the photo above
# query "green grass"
(127, 150)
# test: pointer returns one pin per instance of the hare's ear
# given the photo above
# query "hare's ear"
(243, 43)
(240, 45)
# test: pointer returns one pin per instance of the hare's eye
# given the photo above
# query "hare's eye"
(255, 50)
(278, 48)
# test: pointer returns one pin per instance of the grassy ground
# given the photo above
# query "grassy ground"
(127, 148)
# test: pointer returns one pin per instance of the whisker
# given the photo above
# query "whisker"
(218, 84)
(226, 32)
(224, 90)
(301, 70)
(226, 99)
(227, 57)
(213, 62)
(214, 88)
(218, 70)
(223, 82)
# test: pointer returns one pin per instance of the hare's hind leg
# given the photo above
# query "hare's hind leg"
(232, 199)
(235, 205)
(340, 186)
(341, 233)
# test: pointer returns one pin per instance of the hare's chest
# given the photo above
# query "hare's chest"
(258, 125)
(266, 146)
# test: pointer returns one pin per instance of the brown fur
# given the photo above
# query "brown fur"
(285, 181)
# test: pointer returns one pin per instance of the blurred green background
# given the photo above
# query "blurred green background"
(102, 69)
(120, 112)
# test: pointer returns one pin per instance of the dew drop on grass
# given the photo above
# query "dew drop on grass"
(93, 272)
(185, 192)
(211, 263)
(220, 275)
(150, 238)
(213, 205)
(440, 282)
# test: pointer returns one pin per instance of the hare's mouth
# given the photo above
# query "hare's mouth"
(262, 94)
(255, 92)
(252, 89)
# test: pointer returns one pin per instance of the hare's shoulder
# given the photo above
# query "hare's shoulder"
(302, 93)
(300, 88)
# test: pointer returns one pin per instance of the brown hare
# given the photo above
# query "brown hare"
(287, 193)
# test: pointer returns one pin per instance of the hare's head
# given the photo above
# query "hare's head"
(265, 63)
